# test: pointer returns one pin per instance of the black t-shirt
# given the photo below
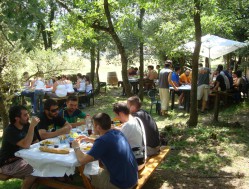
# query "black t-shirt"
(150, 127)
(11, 137)
(220, 79)
(50, 125)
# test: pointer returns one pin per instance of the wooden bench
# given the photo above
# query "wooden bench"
(150, 166)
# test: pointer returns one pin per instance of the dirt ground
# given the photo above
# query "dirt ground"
(233, 176)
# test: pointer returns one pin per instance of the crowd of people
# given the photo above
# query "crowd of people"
(137, 138)
(55, 87)
(208, 82)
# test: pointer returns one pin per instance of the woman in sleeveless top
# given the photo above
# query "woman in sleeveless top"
(69, 85)
(59, 89)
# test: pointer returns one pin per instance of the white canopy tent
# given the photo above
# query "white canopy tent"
(213, 46)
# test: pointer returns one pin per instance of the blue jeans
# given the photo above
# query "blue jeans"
(30, 94)
(38, 97)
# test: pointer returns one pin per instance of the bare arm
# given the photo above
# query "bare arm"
(27, 141)
(54, 86)
(216, 86)
(64, 130)
(77, 124)
(82, 158)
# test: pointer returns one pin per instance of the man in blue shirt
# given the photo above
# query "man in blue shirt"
(114, 152)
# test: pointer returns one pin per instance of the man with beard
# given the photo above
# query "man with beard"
(18, 135)
(51, 125)
(71, 113)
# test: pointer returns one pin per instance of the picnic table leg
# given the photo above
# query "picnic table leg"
(187, 99)
(86, 181)
(172, 99)
(216, 107)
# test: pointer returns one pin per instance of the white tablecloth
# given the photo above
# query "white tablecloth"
(54, 165)
(182, 87)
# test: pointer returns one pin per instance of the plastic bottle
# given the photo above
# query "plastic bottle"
(89, 125)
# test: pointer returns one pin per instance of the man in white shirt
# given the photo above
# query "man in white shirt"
(133, 129)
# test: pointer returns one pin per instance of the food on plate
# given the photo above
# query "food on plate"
(46, 142)
(73, 135)
(54, 150)
(87, 146)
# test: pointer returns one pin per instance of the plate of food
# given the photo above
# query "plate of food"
(47, 143)
(86, 146)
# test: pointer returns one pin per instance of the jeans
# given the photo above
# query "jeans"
(30, 94)
(38, 97)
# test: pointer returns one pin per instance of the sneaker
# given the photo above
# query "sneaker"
(181, 107)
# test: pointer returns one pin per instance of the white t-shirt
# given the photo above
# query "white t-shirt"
(133, 132)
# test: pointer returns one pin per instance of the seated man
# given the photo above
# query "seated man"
(113, 150)
(51, 125)
(149, 78)
(150, 126)
(19, 134)
(133, 130)
(71, 112)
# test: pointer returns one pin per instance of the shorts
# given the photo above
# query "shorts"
(203, 92)
(102, 180)
(18, 169)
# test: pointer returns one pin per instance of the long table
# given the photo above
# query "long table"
(186, 91)
(57, 165)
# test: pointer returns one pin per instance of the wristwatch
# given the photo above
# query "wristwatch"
(76, 148)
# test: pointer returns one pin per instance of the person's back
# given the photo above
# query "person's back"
(151, 131)
(115, 153)
(163, 78)
(203, 76)
(221, 81)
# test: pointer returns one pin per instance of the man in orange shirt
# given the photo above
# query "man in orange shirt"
(185, 78)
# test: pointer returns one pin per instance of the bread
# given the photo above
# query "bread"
(54, 150)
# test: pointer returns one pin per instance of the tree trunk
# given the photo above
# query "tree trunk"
(121, 49)
(51, 18)
(97, 71)
(141, 56)
(44, 36)
(3, 112)
(92, 52)
(193, 120)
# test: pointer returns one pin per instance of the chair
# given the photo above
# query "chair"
(153, 100)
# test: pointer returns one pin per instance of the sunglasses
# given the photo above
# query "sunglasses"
(54, 110)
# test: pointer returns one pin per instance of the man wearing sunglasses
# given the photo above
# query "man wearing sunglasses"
(51, 125)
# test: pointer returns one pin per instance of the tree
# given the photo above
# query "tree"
(193, 120)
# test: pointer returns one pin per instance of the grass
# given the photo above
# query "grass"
(213, 153)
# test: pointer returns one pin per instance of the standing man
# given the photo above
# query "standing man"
(18, 135)
(164, 80)
(150, 126)
(51, 125)
(114, 151)
(71, 113)
(203, 86)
